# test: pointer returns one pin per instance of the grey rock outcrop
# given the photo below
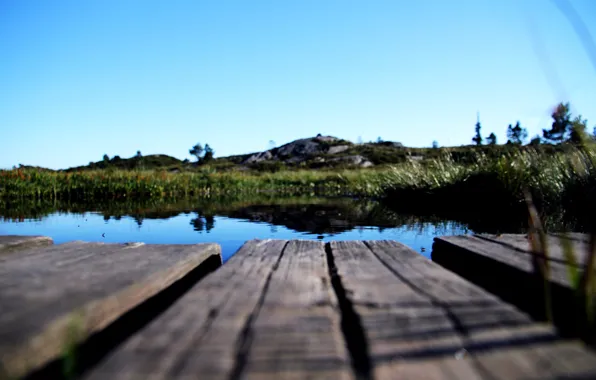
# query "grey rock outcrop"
(356, 160)
(299, 150)
(338, 149)
(258, 157)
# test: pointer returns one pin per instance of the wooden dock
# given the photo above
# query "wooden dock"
(503, 265)
(276, 310)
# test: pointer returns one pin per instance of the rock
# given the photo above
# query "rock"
(258, 157)
(302, 147)
(356, 160)
(295, 160)
(299, 150)
(338, 149)
(326, 138)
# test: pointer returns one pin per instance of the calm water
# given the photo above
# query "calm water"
(229, 223)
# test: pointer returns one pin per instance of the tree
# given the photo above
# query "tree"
(379, 140)
(561, 127)
(435, 144)
(208, 153)
(491, 139)
(196, 151)
(517, 134)
(536, 140)
(578, 134)
(139, 155)
(106, 158)
(478, 138)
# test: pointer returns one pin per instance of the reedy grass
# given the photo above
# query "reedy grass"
(556, 180)
(18, 183)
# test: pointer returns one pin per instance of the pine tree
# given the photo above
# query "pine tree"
(561, 127)
(517, 134)
(478, 138)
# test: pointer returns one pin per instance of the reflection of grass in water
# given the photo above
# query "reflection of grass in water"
(305, 209)
(162, 208)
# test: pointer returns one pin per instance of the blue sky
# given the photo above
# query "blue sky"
(82, 78)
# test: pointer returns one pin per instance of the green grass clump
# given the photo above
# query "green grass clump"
(121, 184)
(562, 181)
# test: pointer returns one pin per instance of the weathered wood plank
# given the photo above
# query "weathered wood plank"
(51, 295)
(297, 334)
(518, 242)
(503, 266)
(419, 318)
(267, 313)
(503, 253)
(9, 243)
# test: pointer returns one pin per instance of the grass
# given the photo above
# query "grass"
(118, 184)
(561, 181)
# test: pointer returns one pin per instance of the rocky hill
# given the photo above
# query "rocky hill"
(313, 152)
(319, 149)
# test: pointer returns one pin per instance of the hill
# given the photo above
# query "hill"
(155, 161)
(309, 153)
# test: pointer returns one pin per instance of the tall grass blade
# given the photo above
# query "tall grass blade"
(538, 246)
(587, 284)
(571, 262)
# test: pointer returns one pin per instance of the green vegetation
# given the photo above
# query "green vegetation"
(485, 179)
(561, 177)
(122, 184)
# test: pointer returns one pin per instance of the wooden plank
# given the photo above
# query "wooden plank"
(53, 295)
(10, 243)
(297, 334)
(488, 260)
(503, 253)
(267, 313)
(421, 321)
(519, 243)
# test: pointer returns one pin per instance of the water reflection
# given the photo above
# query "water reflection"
(229, 222)
(318, 216)
(203, 223)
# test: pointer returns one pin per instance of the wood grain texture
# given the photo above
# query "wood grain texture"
(519, 242)
(505, 253)
(296, 333)
(503, 266)
(10, 243)
(267, 313)
(424, 322)
(53, 295)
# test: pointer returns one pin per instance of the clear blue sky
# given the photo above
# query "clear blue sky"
(82, 78)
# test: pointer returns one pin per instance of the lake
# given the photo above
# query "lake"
(227, 222)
